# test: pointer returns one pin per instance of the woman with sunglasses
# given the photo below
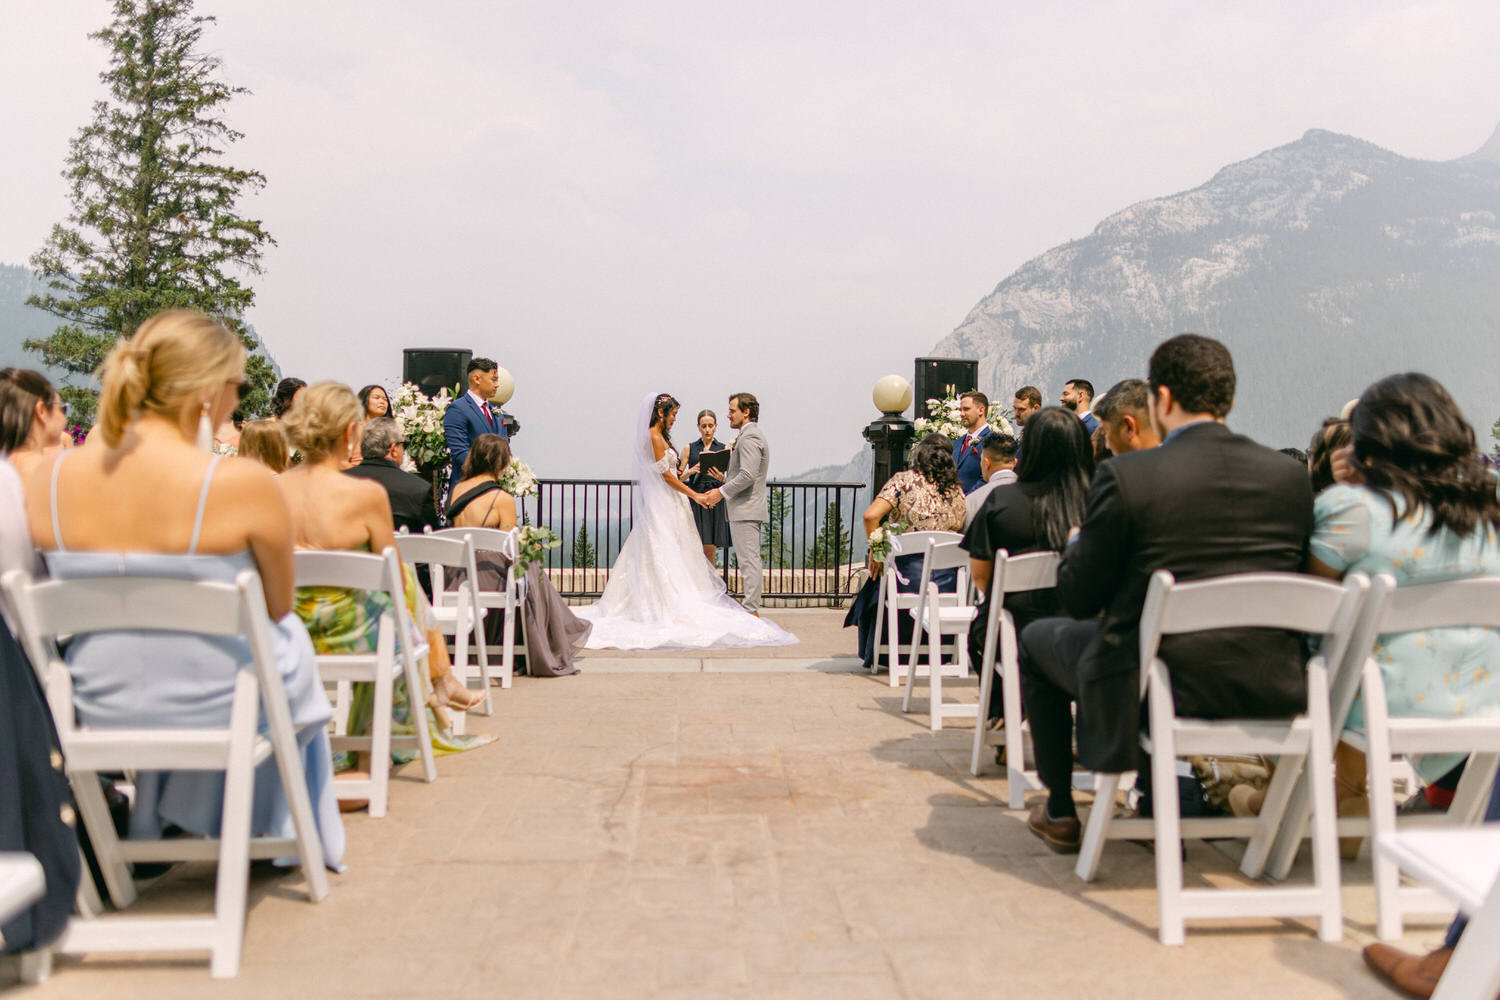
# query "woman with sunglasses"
(33, 418)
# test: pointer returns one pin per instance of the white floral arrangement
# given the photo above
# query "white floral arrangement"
(420, 418)
(518, 480)
(531, 542)
(880, 538)
(943, 418)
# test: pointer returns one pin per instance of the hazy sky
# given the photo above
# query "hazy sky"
(789, 199)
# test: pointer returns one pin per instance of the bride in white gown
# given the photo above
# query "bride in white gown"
(662, 593)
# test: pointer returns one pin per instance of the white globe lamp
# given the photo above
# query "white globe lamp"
(506, 388)
(892, 394)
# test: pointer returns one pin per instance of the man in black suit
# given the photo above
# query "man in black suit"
(1206, 503)
(382, 450)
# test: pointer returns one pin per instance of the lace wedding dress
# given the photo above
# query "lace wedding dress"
(662, 593)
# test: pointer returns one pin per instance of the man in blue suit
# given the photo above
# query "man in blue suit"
(973, 409)
(1078, 396)
(471, 415)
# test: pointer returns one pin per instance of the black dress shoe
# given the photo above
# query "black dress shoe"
(1062, 835)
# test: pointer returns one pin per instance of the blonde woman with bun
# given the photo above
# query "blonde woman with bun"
(146, 500)
(333, 511)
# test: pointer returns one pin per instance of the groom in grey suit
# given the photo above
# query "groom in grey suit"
(744, 493)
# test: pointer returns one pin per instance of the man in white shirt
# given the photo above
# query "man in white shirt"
(997, 461)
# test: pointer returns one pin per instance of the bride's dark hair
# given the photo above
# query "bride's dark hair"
(664, 405)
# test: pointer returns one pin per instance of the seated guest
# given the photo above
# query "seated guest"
(997, 463)
(1078, 396)
(288, 390)
(973, 410)
(35, 419)
(1124, 412)
(265, 441)
(1415, 501)
(1171, 508)
(926, 497)
(471, 415)
(333, 511)
(1332, 436)
(375, 401)
(553, 632)
(383, 449)
(1034, 514)
(145, 500)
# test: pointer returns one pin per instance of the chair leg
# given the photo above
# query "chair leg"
(981, 730)
(1275, 814)
(935, 679)
(1324, 806)
(1387, 876)
(508, 651)
(380, 740)
(233, 878)
(1015, 740)
(36, 966)
(1094, 835)
(879, 624)
(419, 716)
(1166, 817)
(1473, 791)
(911, 663)
(94, 812)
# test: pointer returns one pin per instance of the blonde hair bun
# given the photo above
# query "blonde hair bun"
(164, 368)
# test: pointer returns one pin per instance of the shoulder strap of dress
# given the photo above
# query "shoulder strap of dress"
(202, 502)
(52, 501)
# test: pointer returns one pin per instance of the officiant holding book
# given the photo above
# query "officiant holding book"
(704, 463)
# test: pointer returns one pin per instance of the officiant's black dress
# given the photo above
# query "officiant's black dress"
(713, 522)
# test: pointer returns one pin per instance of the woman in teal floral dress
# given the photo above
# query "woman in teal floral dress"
(1415, 500)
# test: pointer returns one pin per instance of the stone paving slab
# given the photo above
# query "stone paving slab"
(725, 834)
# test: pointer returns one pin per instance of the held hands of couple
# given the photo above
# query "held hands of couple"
(710, 499)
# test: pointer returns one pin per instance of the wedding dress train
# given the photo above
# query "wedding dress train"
(662, 593)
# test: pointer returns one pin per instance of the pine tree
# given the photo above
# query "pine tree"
(153, 223)
(832, 546)
(778, 506)
(584, 556)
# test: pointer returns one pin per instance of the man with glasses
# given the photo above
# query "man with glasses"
(382, 449)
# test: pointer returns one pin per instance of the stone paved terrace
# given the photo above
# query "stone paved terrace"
(749, 825)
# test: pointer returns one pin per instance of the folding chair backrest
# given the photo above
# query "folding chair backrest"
(914, 543)
(359, 571)
(434, 550)
(484, 539)
(1291, 601)
(1013, 575)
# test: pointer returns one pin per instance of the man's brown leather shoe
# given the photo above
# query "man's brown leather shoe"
(1062, 835)
(1415, 975)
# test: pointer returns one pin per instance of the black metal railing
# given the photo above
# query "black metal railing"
(807, 542)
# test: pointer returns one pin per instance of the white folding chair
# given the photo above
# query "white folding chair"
(1464, 865)
(455, 612)
(46, 611)
(1001, 658)
(890, 602)
(360, 571)
(1452, 604)
(1250, 600)
(22, 882)
(938, 619)
(510, 600)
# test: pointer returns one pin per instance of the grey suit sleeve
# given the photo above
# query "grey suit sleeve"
(748, 452)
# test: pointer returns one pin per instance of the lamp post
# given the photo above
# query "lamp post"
(503, 392)
(891, 434)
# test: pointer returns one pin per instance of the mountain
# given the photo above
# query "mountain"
(1323, 265)
(19, 322)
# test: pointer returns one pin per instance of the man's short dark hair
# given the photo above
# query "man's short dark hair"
(748, 403)
(479, 365)
(1125, 396)
(379, 435)
(1199, 372)
(1000, 448)
(1084, 386)
(1031, 394)
(978, 397)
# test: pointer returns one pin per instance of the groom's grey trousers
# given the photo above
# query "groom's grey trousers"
(746, 538)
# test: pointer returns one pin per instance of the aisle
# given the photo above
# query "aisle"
(703, 834)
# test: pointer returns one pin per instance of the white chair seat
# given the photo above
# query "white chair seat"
(949, 618)
(940, 616)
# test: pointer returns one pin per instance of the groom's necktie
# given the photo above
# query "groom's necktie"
(485, 409)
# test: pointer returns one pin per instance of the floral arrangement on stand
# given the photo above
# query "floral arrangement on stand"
(880, 539)
(942, 418)
(518, 480)
(531, 542)
(420, 418)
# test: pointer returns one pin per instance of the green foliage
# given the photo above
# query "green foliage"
(583, 555)
(778, 506)
(153, 222)
(832, 546)
(1495, 433)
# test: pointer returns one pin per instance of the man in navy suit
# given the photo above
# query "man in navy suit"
(973, 409)
(471, 415)
(1078, 396)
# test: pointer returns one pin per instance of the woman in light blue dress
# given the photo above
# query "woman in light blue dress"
(1415, 500)
(143, 499)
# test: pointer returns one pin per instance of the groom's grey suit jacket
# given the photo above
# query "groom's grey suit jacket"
(744, 486)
